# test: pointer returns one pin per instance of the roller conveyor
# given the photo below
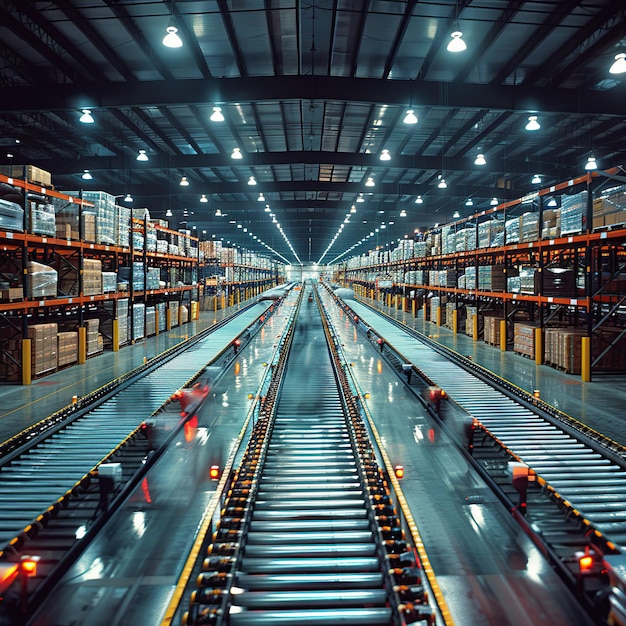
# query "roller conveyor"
(300, 538)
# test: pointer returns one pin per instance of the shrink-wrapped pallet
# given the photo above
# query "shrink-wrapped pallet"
(42, 280)
(109, 282)
(492, 329)
(41, 219)
(94, 340)
(150, 321)
(11, 216)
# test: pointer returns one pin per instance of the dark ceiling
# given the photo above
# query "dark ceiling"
(312, 93)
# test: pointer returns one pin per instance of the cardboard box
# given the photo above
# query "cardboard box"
(13, 293)
(34, 174)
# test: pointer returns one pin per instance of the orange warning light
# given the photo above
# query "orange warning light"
(214, 472)
(399, 471)
(585, 562)
(28, 565)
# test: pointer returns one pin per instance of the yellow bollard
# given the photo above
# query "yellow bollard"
(455, 321)
(503, 335)
(475, 327)
(438, 315)
(585, 359)
(82, 345)
(414, 307)
(26, 362)
(539, 346)
(168, 319)
(116, 334)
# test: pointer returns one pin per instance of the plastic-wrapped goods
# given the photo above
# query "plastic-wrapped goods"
(150, 321)
(470, 277)
(471, 314)
(153, 277)
(466, 239)
(138, 240)
(11, 216)
(109, 282)
(162, 246)
(574, 213)
(527, 280)
(94, 339)
(174, 312)
(184, 314)
(511, 228)
(42, 280)
(435, 303)
(551, 227)
(151, 239)
(524, 339)
(67, 348)
(419, 249)
(123, 226)
(529, 227)
(139, 328)
(173, 249)
(122, 319)
(44, 347)
(557, 282)
(41, 215)
(124, 274)
(161, 308)
(106, 214)
(491, 278)
(488, 233)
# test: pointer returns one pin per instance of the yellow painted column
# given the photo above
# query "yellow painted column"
(585, 359)
(399, 300)
(116, 333)
(455, 321)
(438, 315)
(180, 314)
(539, 346)
(503, 335)
(168, 318)
(82, 345)
(475, 327)
(425, 310)
(26, 362)
(414, 307)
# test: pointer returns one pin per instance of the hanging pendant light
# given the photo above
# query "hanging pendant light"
(217, 115)
(591, 164)
(86, 117)
(172, 39)
(456, 43)
(142, 156)
(532, 124)
(410, 117)
(619, 65)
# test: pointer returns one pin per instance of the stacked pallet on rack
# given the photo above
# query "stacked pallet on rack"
(95, 343)
(67, 347)
(492, 329)
(43, 280)
(472, 315)
(524, 338)
(491, 278)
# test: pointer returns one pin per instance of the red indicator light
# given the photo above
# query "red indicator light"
(28, 565)
(214, 472)
(399, 471)
(585, 562)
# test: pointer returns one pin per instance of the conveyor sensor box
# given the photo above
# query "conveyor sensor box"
(112, 471)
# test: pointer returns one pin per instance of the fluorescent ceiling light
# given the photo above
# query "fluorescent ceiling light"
(217, 115)
(410, 117)
(142, 156)
(172, 39)
(532, 124)
(86, 117)
(456, 43)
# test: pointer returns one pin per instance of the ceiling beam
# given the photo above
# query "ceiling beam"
(258, 89)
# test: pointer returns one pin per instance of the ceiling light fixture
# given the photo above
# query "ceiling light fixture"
(172, 39)
(532, 124)
(480, 160)
(442, 183)
(129, 198)
(619, 65)
(456, 43)
(184, 182)
(142, 156)
(252, 181)
(469, 202)
(410, 117)
(203, 198)
(370, 182)
(353, 209)
(456, 215)
(261, 197)
(403, 213)
(494, 202)
(218, 212)
(589, 166)
(552, 202)
(217, 115)
(86, 117)
(385, 156)
(87, 175)
(360, 198)
(536, 180)
(168, 213)
(419, 200)
(236, 154)
(267, 208)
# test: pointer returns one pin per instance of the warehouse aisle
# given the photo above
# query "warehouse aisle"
(598, 404)
(21, 406)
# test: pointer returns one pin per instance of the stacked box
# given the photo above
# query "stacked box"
(42, 280)
(138, 329)
(551, 227)
(150, 321)
(524, 339)
(109, 282)
(488, 233)
(11, 294)
(492, 329)
(162, 246)
(67, 223)
(491, 278)
(124, 274)
(151, 239)
(11, 216)
(161, 309)
(69, 279)
(138, 240)
(527, 280)
(529, 227)
(562, 348)
(106, 215)
(153, 277)
(511, 230)
(470, 277)
(173, 249)
(472, 313)
(67, 348)
(44, 347)
(94, 339)
(32, 173)
(41, 216)
(574, 213)
(450, 307)
(419, 249)
(122, 306)
(123, 226)
(174, 312)
(184, 313)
